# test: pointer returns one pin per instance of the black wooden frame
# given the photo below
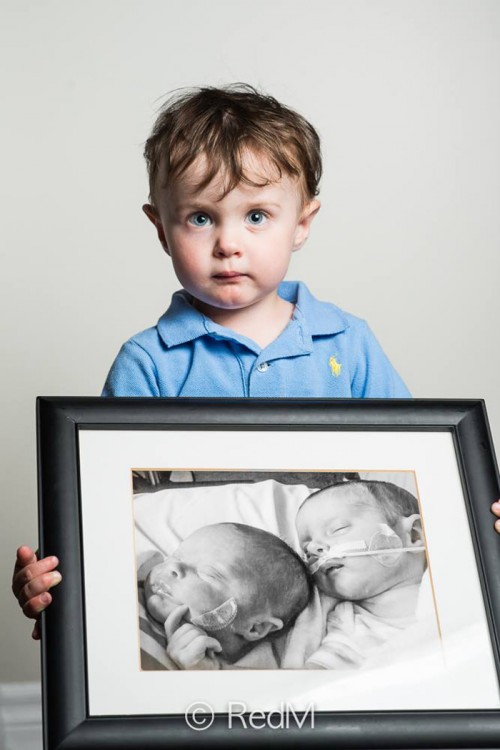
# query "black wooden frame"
(67, 723)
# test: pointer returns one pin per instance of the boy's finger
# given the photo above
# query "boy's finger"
(185, 634)
(38, 585)
(24, 556)
(174, 620)
(199, 648)
(213, 644)
(497, 525)
(495, 508)
(36, 631)
(30, 572)
(183, 637)
(37, 604)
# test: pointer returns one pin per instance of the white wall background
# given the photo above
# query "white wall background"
(406, 96)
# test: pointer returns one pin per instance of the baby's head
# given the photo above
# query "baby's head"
(341, 526)
(233, 176)
(241, 584)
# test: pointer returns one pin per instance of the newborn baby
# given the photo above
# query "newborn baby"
(226, 587)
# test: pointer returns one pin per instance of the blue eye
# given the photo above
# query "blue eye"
(200, 219)
(256, 217)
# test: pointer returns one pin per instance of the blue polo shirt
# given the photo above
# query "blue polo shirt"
(322, 353)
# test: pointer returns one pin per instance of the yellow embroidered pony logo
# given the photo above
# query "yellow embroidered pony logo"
(335, 366)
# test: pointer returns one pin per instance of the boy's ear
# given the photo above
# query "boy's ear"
(304, 223)
(412, 527)
(153, 217)
(259, 629)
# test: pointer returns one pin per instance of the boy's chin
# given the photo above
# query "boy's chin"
(325, 584)
(343, 593)
(160, 608)
(333, 585)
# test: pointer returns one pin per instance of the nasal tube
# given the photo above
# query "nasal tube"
(385, 545)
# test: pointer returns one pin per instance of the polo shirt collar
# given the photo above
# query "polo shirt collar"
(182, 323)
(321, 318)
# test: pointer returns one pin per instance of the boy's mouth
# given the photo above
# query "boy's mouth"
(329, 567)
(229, 275)
(161, 589)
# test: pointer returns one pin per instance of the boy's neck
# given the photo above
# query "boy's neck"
(398, 601)
(234, 646)
(262, 322)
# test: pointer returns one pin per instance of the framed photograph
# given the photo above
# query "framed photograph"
(278, 571)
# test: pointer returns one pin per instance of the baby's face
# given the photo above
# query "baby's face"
(342, 516)
(198, 574)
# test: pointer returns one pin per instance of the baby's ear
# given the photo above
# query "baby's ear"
(412, 526)
(259, 629)
(153, 217)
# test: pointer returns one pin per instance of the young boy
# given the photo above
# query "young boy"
(233, 180)
(227, 588)
(363, 543)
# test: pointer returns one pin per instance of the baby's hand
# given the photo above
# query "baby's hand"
(31, 581)
(495, 508)
(189, 646)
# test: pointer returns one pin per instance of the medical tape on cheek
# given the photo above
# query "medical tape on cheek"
(218, 618)
(387, 546)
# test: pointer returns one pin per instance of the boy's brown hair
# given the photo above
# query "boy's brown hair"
(221, 123)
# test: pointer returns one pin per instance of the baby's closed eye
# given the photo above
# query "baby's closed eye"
(210, 574)
(337, 530)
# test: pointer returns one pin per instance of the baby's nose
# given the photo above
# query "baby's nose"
(175, 569)
(317, 548)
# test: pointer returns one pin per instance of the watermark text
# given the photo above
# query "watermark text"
(200, 716)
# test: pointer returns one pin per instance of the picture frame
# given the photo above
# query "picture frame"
(95, 692)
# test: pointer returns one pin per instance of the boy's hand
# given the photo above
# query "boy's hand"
(189, 646)
(495, 509)
(31, 581)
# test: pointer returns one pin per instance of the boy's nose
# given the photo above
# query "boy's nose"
(226, 244)
(317, 548)
(176, 569)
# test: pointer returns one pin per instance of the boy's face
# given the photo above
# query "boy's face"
(198, 574)
(232, 253)
(338, 517)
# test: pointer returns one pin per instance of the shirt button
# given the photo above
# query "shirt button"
(263, 367)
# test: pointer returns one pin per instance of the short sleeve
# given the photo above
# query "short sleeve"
(374, 376)
(133, 373)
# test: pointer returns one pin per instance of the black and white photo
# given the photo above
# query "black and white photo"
(264, 570)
